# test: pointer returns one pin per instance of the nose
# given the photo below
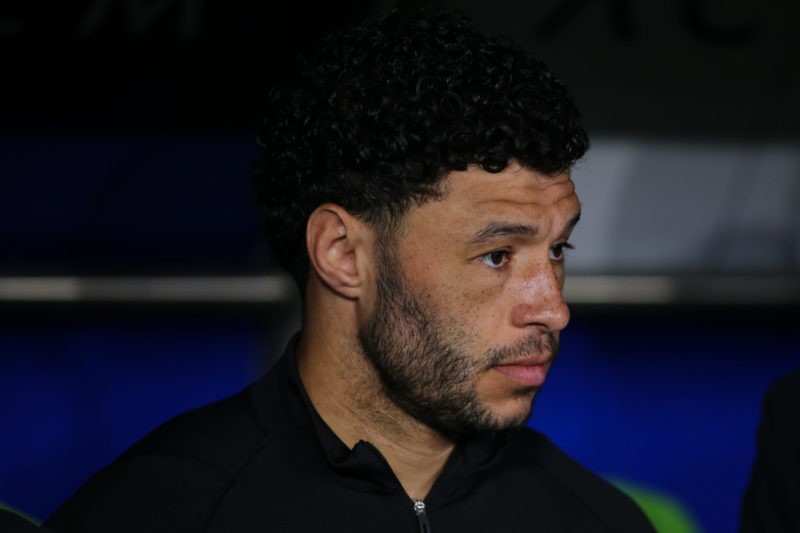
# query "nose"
(540, 301)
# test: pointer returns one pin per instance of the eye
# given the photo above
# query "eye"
(557, 251)
(496, 259)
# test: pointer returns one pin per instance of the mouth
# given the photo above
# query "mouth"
(529, 372)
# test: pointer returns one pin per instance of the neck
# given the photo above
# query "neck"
(347, 393)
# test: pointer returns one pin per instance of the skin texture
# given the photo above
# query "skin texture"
(398, 338)
(486, 273)
(423, 358)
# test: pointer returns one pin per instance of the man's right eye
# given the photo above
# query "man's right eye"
(496, 259)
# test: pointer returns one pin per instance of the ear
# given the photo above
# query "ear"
(340, 249)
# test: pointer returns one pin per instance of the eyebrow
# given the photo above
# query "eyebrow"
(499, 229)
(574, 220)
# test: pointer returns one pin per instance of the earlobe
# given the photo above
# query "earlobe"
(335, 241)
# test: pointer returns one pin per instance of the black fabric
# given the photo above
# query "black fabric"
(264, 461)
(13, 523)
(771, 502)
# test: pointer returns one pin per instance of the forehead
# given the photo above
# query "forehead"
(514, 185)
(517, 193)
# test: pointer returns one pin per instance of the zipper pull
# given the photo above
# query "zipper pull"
(422, 516)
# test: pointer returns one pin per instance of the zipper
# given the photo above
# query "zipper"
(422, 516)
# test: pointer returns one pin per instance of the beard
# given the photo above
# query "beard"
(424, 364)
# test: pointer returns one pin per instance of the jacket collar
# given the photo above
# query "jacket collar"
(363, 467)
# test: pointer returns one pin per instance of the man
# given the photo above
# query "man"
(771, 502)
(415, 182)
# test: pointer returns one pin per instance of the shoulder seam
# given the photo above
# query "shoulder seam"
(212, 466)
(234, 477)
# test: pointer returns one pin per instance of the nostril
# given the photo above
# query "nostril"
(537, 307)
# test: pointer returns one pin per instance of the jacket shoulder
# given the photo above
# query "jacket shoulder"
(223, 435)
(173, 478)
(608, 504)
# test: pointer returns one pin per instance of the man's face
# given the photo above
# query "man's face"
(469, 304)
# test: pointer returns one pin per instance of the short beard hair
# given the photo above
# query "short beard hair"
(421, 360)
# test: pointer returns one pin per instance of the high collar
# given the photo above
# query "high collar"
(363, 467)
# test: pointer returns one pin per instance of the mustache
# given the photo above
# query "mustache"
(531, 346)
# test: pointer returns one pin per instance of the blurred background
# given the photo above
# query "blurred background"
(135, 282)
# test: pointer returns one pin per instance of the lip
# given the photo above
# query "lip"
(529, 372)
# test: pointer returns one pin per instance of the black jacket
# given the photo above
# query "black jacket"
(771, 503)
(264, 461)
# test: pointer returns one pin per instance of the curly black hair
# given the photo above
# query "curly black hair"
(379, 114)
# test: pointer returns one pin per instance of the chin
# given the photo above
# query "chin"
(515, 413)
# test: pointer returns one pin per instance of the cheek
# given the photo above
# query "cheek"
(486, 303)
(478, 307)
(478, 325)
(473, 306)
